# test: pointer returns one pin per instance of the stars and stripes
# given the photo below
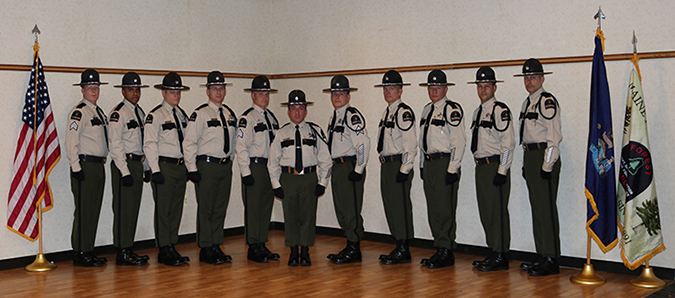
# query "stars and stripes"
(37, 152)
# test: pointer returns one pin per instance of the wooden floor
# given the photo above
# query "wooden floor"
(243, 278)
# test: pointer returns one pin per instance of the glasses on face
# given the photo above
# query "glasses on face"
(91, 88)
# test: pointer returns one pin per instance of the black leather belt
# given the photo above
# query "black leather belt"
(135, 157)
(344, 159)
(176, 161)
(259, 160)
(211, 159)
(534, 146)
(92, 158)
(487, 160)
(291, 170)
(389, 158)
(438, 155)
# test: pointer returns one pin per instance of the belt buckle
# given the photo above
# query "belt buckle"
(104, 159)
(301, 172)
(381, 159)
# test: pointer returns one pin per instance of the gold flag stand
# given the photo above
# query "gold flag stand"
(587, 276)
(647, 279)
(41, 264)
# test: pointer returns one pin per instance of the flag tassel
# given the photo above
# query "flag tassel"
(587, 276)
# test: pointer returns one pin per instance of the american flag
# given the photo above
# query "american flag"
(37, 152)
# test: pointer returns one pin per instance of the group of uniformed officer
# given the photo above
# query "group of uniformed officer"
(295, 162)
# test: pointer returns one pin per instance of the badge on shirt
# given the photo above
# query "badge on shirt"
(242, 123)
(356, 120)
(73, 126)
(114, 117)
(549, 104)
(148, 120)
(506, 116)
(407, 116)
(455, 116)
(193, 117)
(77, 115)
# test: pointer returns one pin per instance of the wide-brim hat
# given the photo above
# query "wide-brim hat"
(485, 74)
(437, 78)
(260, 83)
(339, 83)
(172, 81)
(532, 67)
(89, 77)
(131, 80)
(215, 78)
(392, 78)
(296, 97)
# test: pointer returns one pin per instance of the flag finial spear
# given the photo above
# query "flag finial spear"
(635, 41)
(36, 31)
(599, 16)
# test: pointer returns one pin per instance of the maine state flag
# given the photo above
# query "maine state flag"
(601, 220)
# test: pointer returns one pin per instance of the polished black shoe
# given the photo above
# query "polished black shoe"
(351, 254)
(547, 266)
(270, 255)
(143, 257)
(425, 262)
(256, 253)
(294, 258)
(86, 259)
(127, 257)
(525, 266)
(441, 259)
(209, 255)
(169, 256)
(497, 261)
(175, 253)
(400, 254)
(221, 254)
(342, 252)
(304, 256)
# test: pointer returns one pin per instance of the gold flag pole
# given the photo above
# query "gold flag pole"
(41, 263)
(647, 279)
(587, 276)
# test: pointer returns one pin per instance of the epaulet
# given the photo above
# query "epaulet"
(546, 94)
(247, 111)
(156, 108)
(202, 106)
(356, 121)
(313, 124)
(81, 105)
(285, 125)
(231, 111)
(119, 106)
(404, 106)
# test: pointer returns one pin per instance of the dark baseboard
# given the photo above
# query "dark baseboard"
(570, 262)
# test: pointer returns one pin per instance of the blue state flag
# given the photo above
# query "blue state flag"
(601, 220)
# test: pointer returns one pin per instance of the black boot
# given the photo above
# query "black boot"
(127, 257)
(294, 258)
(209, 255)
(256, 253)
(547, 266)
(84, 259)
(477, 263)
(342, 252)
(270, 255)
(525, 266)
(497, 261)
(304, 256)
(168, 256)
(351, 254)
(442, 258)
(174, 252)
(400, 254)
(221, 254)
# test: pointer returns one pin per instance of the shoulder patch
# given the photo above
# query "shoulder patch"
(200, 107)
(549, 103)
(242, 122)
(247, 111)
(455, 116)
(119, 106)
(505, 115)
(77, 115)
(114, 117)
(355, 119)
(81, 105)
(148, 119)
(156, 108)
(407, 116)
(193, 117)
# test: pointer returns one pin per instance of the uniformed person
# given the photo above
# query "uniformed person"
(209, 149)
(87, 148)
(256, 130)
(492, 144)
(540, 136)
(164, 134)
(128, 168)
(349, 145)
(299, 167)
(442, 142)
(397, 147)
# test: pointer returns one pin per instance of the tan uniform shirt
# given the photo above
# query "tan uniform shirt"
(491, 141)
(86, 133)
(205, 134)
(446, 133)
(546, 128)
(254, 137)
(350, 137)
(314, 151)
(125, 134)
(400, 134)
(161, 134)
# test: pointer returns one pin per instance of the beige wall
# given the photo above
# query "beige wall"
(285, 36)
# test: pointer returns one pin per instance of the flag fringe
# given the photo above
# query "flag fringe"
(22, 234)
(603, 247)
(643, 259)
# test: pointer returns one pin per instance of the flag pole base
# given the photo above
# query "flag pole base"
(647, 279)
(41, 264)
(587, 276)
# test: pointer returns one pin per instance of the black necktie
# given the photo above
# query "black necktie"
(227, 132)
(105, 126)
(179, 128)
(269, 127)
(331, 128)
(425, 144)
(522, 120)
(137, 111)
(298, 150)
(380, 141)
(474, 134)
